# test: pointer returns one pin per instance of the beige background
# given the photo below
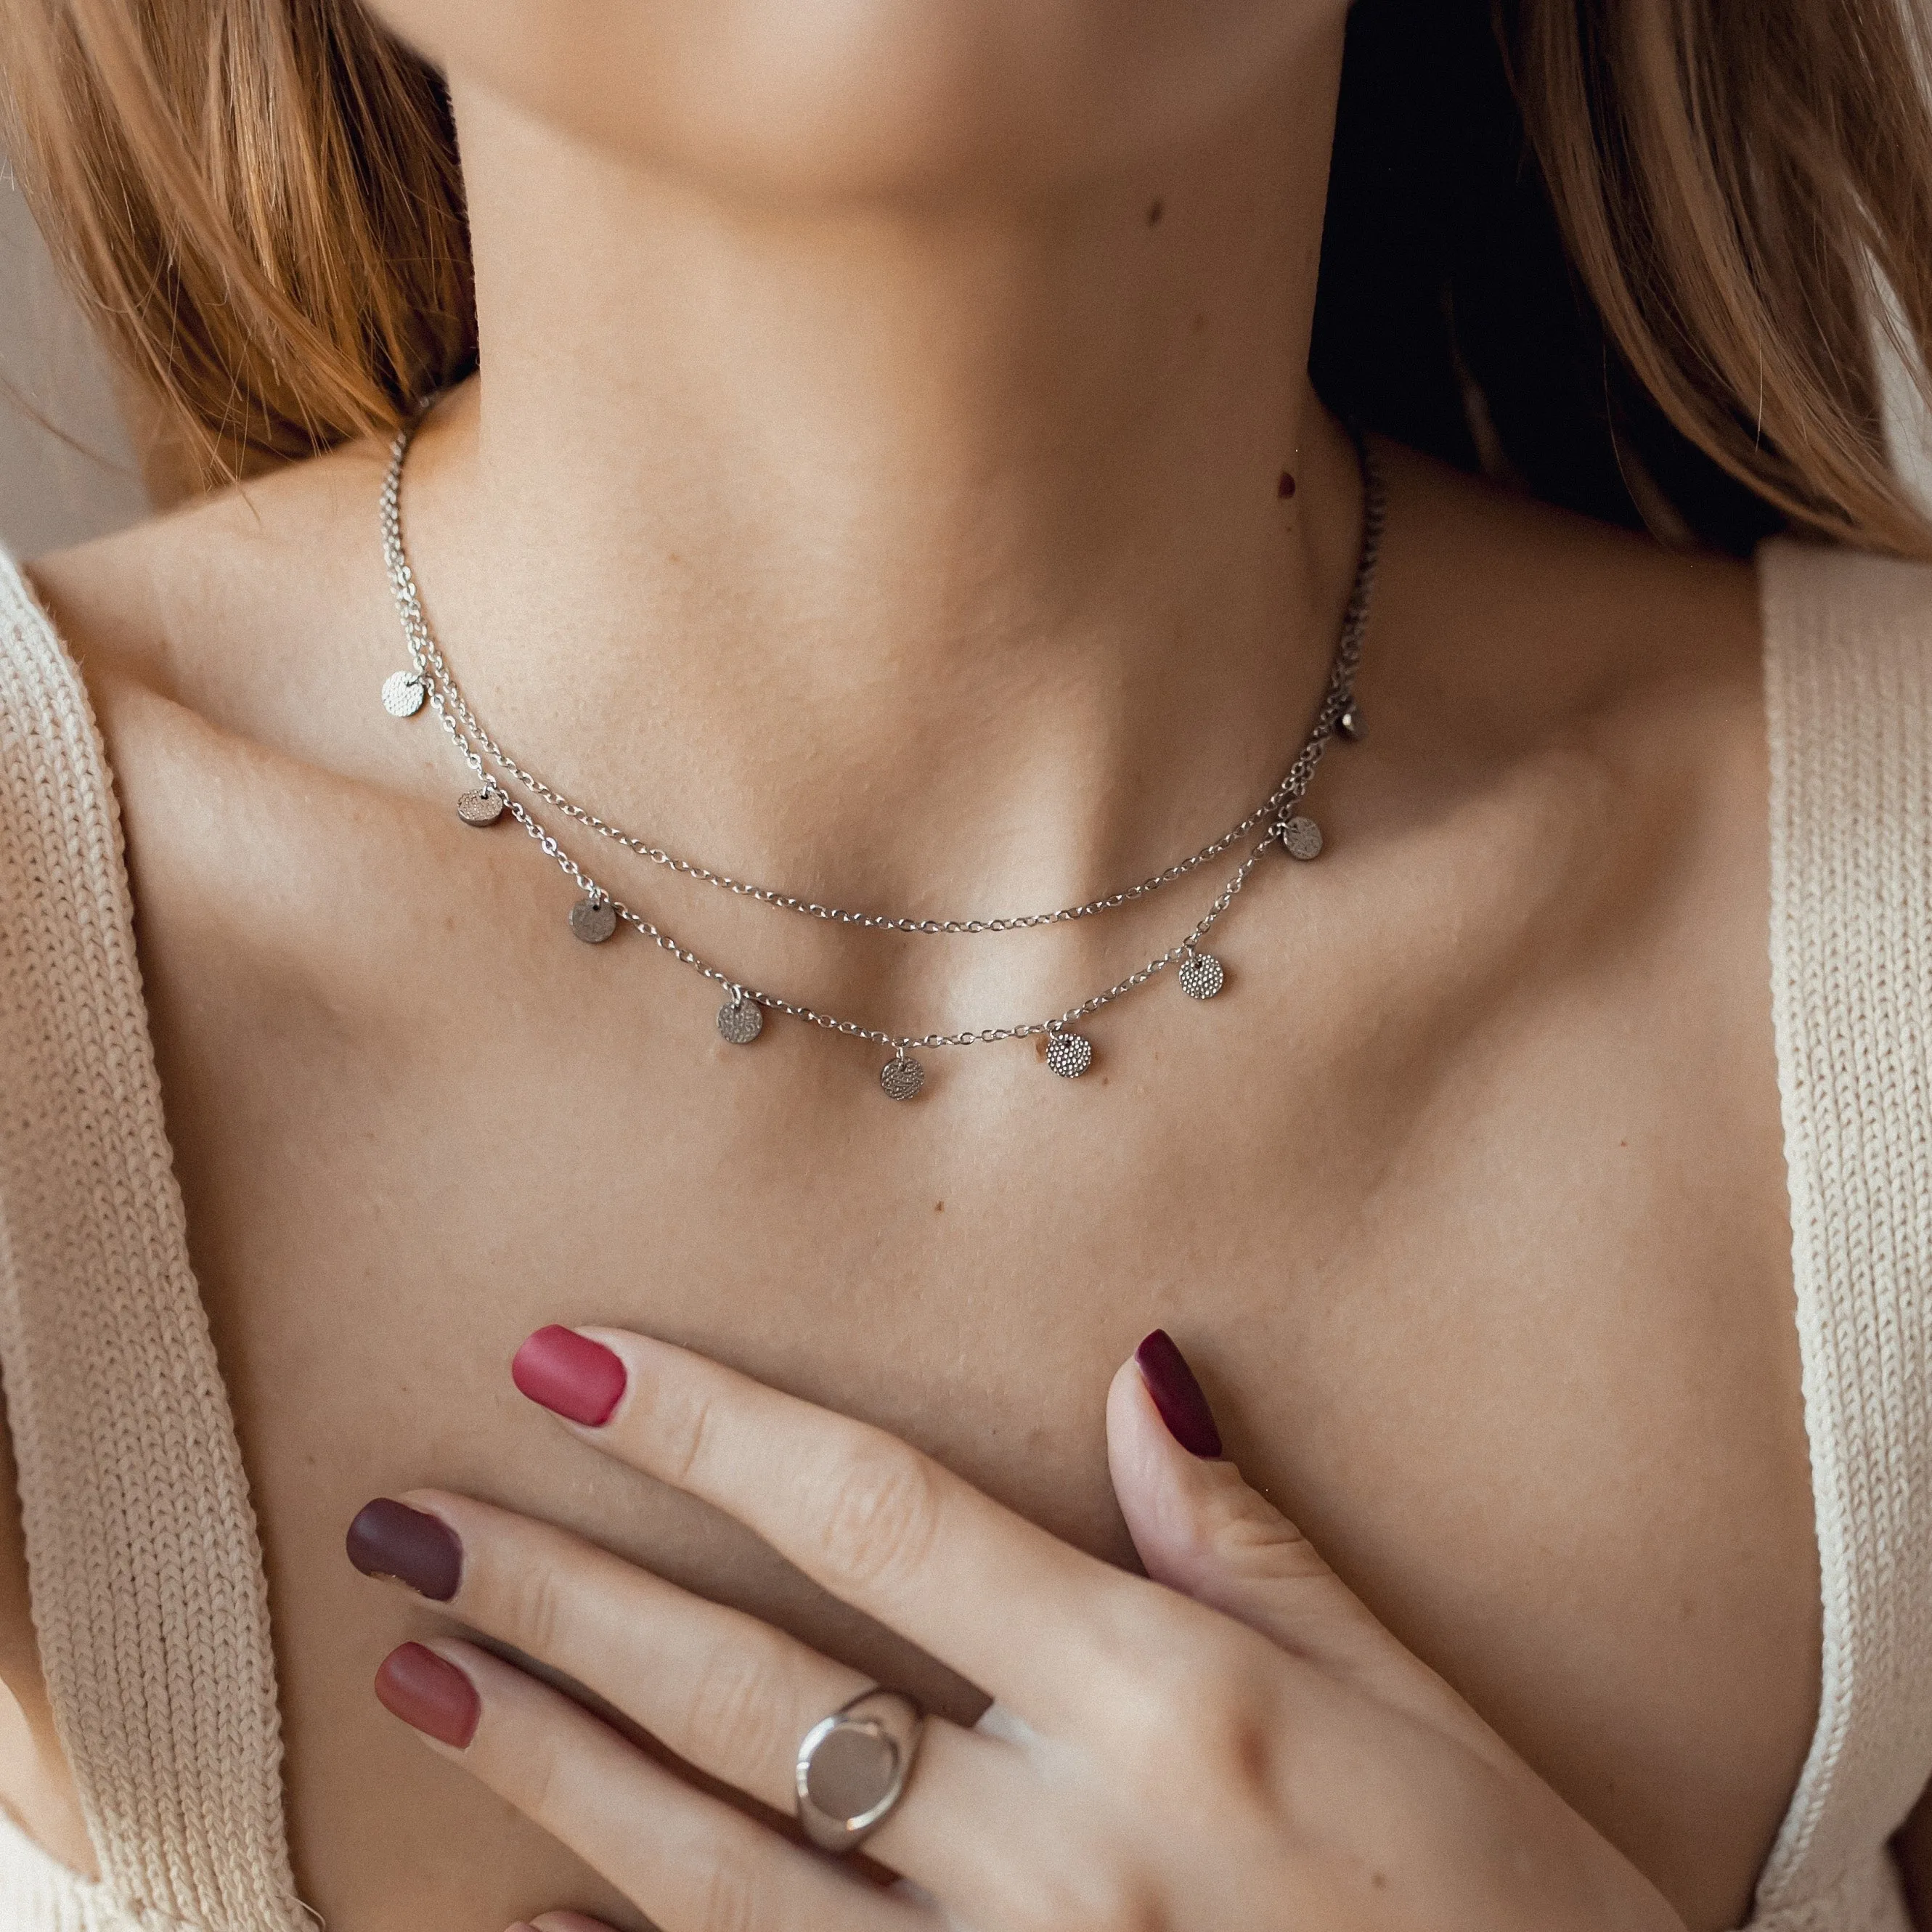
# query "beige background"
(52, 491)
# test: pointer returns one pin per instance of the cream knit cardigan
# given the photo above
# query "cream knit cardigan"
(148, 1588)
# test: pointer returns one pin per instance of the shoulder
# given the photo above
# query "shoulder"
(1543, 622)
(1551, 621)
(222, 607)
(1594, 697)
(231, 651)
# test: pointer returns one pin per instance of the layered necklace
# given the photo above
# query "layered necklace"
(503, 788)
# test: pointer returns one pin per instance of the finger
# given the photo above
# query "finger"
(877, 1523)
(688, 1861)
(1201, 1530)
(725, 1692)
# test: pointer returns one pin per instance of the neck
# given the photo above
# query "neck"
(956, 516)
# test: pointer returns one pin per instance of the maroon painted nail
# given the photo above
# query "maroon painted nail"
(1178, 1396)
(570, 1374)
(429, 1693)
(390, 1539)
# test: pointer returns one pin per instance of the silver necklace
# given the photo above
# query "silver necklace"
(597, 914)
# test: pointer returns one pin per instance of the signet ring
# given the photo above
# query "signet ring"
(853, 1767)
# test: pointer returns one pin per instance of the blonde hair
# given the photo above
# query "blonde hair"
(261, 203)
(1745, 186)
(258, 200)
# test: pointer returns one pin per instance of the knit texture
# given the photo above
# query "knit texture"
(1848, 685)
(148, 1595)
(149, 1599)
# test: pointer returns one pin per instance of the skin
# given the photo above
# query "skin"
(866, 491)
(1267, 1754)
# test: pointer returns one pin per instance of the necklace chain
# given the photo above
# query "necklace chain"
(431, 679)
(430, 662)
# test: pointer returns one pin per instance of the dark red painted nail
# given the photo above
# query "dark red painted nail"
(429, 1693)
(390, 1539)
(1178, 1396)
(570, 1374)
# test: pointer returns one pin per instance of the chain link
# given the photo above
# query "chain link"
(481, 752)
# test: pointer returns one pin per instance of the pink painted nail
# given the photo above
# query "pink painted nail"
(570, 1375)
(428, 1693)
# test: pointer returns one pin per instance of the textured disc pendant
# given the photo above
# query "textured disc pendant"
(483, 806)
(593, 920)
(1202, 976)
(1301, 838)
(402, 694)
(1070, 1054)
(1351, 723)
(901, 1077)
(740, 1020)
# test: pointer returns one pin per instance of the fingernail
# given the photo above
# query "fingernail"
(390, 1539)
(570, 1374)
(1178, 1396)
(429, 1693)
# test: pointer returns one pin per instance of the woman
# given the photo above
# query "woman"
(894, 479)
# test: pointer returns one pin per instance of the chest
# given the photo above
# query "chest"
(1464, 1197)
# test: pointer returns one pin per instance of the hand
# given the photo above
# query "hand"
(1233, 1741)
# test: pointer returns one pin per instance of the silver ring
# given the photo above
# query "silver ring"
(853, 1767)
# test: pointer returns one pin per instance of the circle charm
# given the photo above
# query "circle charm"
(1201, 976)
(1070, 1054)
(740, 1020)
(593, 920)
(901, 1077)
(483, 806)
(1301, 838)
(1351, 723)
(402, 693)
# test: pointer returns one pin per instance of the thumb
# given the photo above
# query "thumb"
(1201, 1530)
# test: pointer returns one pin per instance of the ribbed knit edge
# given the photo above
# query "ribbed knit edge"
(149, 1599)
(1867, 1898)
(1848, 690)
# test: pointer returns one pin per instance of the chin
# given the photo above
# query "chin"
(795, 99)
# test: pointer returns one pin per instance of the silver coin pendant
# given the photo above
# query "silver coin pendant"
(593, 920)
(1301, 838)
(1070, 1054)
(740, 1020)
(901, 1077)
(402, 694)
(483, 806)
(1201, 976)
